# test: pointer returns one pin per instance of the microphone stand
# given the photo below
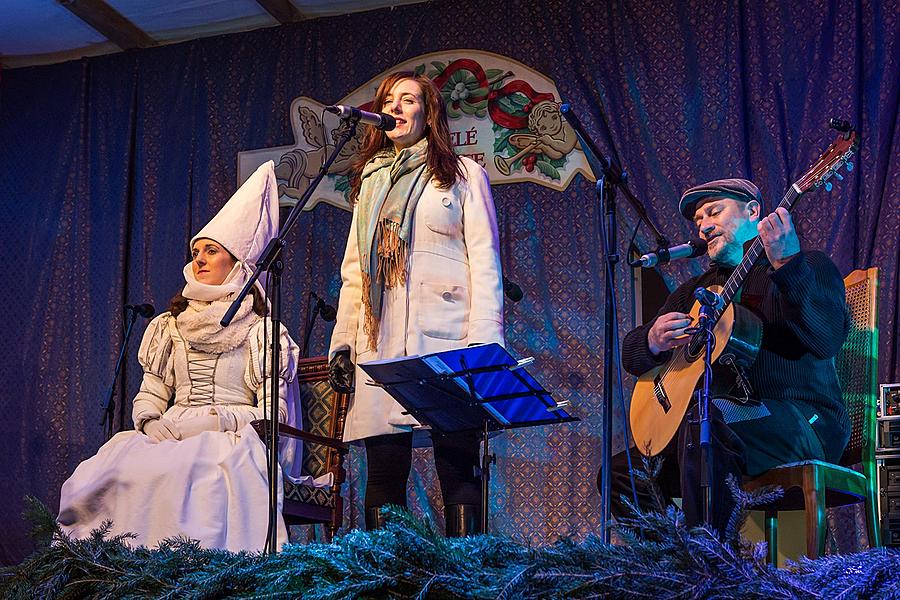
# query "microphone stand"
(610, 178)
(310, 322)
(708, 305)
(271, 262)
(109, 403)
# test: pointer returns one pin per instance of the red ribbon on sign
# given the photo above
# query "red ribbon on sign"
(505, 119)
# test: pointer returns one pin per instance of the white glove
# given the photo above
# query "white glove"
(197, 425)
(161, 429)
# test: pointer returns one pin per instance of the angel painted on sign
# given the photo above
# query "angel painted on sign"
(550, 135)
(296, 168)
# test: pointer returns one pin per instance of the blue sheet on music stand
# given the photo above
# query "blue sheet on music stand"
(455, 390)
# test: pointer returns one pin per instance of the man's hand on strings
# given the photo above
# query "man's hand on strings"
(668, 332)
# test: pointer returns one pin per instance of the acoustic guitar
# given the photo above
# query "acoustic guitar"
(662, 395)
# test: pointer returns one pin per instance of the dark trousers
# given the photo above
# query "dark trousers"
(389, 459)
(744, 447)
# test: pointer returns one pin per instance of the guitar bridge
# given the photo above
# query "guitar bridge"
(660, 392)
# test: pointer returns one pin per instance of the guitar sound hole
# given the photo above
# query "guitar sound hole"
(695, 347)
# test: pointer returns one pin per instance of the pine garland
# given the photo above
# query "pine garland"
(408, 559)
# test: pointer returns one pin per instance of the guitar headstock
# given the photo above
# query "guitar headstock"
(837, 155)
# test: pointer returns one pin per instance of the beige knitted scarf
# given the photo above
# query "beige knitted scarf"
(391, 187)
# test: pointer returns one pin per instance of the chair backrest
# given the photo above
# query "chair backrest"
(324, 413)
(857, 366)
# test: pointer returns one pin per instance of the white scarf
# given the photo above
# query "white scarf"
(199, 325)
(207, 304)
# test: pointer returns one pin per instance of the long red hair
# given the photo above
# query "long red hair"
(443, 163)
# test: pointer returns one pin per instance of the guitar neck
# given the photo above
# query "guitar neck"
(756, 249)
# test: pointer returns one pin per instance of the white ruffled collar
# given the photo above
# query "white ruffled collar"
(234, 283)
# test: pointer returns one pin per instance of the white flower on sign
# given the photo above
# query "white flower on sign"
(460, 92)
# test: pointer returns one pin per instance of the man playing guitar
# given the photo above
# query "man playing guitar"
(786, 406)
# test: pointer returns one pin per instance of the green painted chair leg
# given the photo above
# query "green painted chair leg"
(772, 536)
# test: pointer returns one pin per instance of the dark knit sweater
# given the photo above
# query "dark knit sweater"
(805, 323)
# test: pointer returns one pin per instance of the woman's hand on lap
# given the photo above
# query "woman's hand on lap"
(161, 429)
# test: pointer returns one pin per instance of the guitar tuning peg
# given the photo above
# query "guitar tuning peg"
(828, 186)
(839, 176)
(849, 166)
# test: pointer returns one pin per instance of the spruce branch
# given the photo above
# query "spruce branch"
(408, 559)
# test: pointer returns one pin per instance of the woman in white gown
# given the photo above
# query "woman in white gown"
(196, 469)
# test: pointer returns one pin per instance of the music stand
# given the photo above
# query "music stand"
(479, 388)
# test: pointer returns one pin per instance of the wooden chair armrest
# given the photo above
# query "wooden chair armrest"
(261, 426)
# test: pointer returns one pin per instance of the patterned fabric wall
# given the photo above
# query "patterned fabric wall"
(109, 164)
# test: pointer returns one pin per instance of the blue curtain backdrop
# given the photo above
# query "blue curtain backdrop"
(108, 164)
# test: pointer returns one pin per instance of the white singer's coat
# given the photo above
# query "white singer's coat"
(453, 295)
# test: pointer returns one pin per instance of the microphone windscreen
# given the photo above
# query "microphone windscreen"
(388, 122)
(512, 290)
(328, 312)
(700, 246)
(146, 310)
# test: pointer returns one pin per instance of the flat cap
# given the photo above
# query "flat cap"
(736, 189)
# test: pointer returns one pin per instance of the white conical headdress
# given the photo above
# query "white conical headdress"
(244, 226)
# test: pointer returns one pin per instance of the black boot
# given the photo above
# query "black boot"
(374, 518)
(462, 520)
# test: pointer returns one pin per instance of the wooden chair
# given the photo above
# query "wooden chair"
(324, 412)
(815, 485)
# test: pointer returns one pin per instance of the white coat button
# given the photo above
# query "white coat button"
(445, 201)
(447, 296)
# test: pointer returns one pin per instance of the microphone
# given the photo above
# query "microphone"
(144, 310)
(377, 120)
(512, 290)
(691, 249)
(325, 310)
(709, 298)
(840, 125)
